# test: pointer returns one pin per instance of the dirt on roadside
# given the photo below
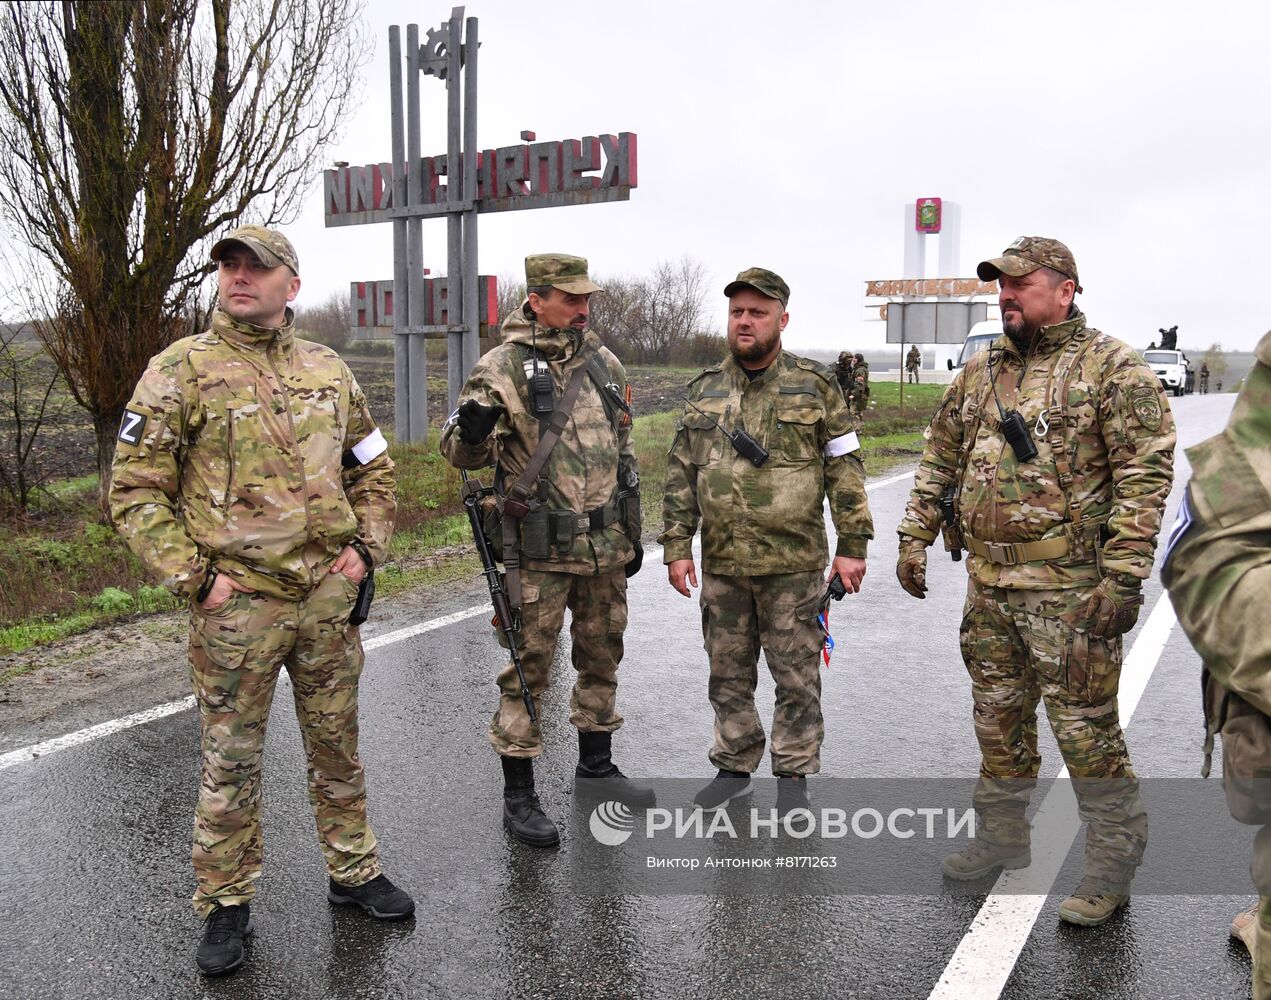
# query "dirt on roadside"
(130, 666)
(136, 664)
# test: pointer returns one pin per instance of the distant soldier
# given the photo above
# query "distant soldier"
(843, 372)
(1169, 339)
(251, 479)
(758, 499)
(1217, 568)
(858, 391)
(1059, 505)
(579, 541)
(913, 360)
(1204, 377)
(1218, 386)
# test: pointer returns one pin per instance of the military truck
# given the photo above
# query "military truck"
(1173, 369)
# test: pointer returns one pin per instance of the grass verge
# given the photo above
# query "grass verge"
(61, 572)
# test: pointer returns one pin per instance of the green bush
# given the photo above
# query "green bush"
(113, 601)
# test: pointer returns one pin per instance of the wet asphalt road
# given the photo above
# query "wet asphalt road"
(95, 881)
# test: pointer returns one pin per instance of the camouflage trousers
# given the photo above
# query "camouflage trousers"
(741, 614)
(236, 651)
(598, 609)
(1020, 646)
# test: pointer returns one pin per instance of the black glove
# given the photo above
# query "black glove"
(476, 421)
(637, 560)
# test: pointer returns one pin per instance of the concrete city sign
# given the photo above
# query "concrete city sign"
(371, 303)
(929, 286)
(458, 185)
(531, 175)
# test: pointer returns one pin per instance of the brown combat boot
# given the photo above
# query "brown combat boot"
(980, 857)
(1244, 927)
(1093, 902)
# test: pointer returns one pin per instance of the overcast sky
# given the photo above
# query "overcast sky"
(791, 136)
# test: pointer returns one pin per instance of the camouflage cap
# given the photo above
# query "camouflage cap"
(559, 270)
(1026, 255)
(763, 281)
(271, 247)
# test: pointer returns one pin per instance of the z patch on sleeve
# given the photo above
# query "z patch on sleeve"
(1145, 403)
(132, 427)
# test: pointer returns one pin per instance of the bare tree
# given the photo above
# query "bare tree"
(327, 323)
(510, 295)
(131, 131)
(27, 383)
(1216, 360)
(612, 312)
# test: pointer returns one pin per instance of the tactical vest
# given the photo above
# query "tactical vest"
(1082, 534)
(545, 528)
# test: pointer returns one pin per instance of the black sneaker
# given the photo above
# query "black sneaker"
(223, 948)
(726, 786)
(792, 794)
(378, 897)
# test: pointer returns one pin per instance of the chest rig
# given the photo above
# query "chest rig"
(1052, 426)
(531, 528)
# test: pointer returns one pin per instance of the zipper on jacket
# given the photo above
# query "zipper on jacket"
(295, 442)
(229, 464)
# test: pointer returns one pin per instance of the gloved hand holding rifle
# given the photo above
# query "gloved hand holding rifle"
(472, 494)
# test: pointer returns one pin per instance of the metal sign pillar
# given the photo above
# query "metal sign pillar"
(592, 170)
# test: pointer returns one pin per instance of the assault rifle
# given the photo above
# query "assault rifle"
(472, 493)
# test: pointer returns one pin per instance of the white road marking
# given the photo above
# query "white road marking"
(984, 958)
(24, 754)
(29, 753)
(389, 638)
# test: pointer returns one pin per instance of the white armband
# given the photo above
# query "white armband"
(842, 445)
(371, 446)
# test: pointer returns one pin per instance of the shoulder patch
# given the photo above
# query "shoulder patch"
(704, 372)
(807, 364)
(132, 428)
(1145, 404)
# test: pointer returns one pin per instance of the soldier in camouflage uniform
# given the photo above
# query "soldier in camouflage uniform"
(251, 480)
(1217, 567)
(913, 360)
(763, 535)
(1060, 543)
(581, 540)
(843, 372)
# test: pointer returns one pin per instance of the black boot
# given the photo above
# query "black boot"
(595, 764)
(522, 815)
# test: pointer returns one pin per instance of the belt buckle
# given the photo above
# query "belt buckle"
(1002, 552)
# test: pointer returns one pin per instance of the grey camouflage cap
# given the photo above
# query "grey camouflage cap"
(1026, 255)
(763, 281)
(559, 270)
(271, 247)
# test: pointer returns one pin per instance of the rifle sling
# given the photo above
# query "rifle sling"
(520, 491)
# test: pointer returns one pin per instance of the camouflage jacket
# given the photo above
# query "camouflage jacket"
(1217, 565)
(757, 521)
(1103, 471)
(581, 473)
(913, 359)
(250, 452)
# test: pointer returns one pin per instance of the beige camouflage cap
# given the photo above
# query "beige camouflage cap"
(1026, 255)
(271, 247)
(559, 270)
(763, 281)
